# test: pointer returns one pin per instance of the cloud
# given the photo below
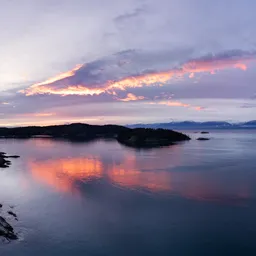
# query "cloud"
(248, 105)
(129, 15)
(253, 97)
(172, 103)
(132, 97)
(106, 76)
(59, 77)
(120, 113)
(37, 114)
(128, 47)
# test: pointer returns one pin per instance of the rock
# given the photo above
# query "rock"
(203, 138)
(5, 224)
(6, 230)
(14, 156)
(204, 132)
(3, 162)
(12, 213)
(1, 205)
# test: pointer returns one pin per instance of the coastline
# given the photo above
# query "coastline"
(137, 137)
(6, 229)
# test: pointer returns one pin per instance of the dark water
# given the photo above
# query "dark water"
(196, 198)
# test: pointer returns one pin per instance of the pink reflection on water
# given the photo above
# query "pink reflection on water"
(155, 171)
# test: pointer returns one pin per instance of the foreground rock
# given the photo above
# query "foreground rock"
(6, 230)
(150, 138)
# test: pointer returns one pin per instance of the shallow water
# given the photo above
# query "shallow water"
(101, 198)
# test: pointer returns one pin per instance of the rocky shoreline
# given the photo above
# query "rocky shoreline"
(3, 162)
(6, 230)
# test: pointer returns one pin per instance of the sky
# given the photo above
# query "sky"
(129, 61)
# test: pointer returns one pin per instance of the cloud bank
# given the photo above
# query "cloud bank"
(94, 79)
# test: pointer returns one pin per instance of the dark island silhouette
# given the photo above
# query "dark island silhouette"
(137, 137)
(146, 137)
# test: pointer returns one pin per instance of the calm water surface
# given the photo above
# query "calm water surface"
(100, 198)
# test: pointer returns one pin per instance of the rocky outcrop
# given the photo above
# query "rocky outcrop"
(6, 230)
(203, 138)
(3, 162)
(14, 156)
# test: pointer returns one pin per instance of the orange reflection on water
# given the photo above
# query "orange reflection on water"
(210, 186)
(152, 172)
(62, 173)
(42, 143)
(136, 172)
(155, 181)
(207, 186)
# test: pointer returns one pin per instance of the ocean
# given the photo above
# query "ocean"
(102, 198)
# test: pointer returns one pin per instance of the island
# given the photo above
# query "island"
(204, 132)
(146, 137)
(137, 137)
(203, 139)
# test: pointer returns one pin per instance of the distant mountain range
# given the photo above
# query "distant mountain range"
(198, 125)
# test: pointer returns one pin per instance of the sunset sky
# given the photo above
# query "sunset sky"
(129, 61)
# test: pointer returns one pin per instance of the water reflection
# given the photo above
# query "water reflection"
(134, 179)
(157, 171)
(43, 143)
(142, 172)
(62, 173)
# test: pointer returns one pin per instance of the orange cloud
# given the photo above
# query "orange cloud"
(60, 76)
(176, 104)
(156, 78)
(241, 66)
(44, 114)
(39, 114)
(192, 75)
(132, 97)
(69, 90)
